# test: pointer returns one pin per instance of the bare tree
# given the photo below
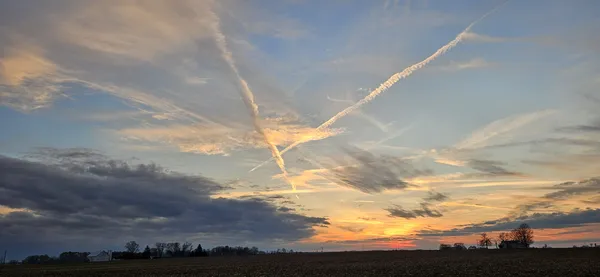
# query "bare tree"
(485, 241)
(132, 247)
(502, 237)
(523, 234)
(160, 248)
(173, 249)
(186, 247)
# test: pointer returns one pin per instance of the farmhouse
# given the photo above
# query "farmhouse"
(100, 256)
(511, 244)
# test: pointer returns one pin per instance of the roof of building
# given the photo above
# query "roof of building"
(97, 253)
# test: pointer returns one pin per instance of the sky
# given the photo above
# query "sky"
(301, 124)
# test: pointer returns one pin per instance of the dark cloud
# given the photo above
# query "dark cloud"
(592, 127)
(565, 190)
(424, 211)
(527, 207)
(493, 168)
(369, 173)
(557, 220)
(285, 209)
(435, 196)
(352, 229)
(85, 196)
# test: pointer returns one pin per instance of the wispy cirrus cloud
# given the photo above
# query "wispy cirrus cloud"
(500, 132)
(222, 139)
(475, 37)
(28, 80)
(144, 52)
(468, 64)
(500, 128)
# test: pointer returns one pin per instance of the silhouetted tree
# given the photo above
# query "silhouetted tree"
(186, 248)
(147, 253)
(523, 234)
(503, 237)
(132, 247)
(160, 248)
(39, 259)
(484, 241)
(173, 249)
(70, 257)
(199, 252)
(230, 251)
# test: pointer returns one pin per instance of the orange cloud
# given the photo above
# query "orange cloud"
(138, 30)
(28, 80)
(215, 139)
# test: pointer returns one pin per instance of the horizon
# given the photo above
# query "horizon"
(297, 124)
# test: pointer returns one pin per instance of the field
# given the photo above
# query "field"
(521, 262)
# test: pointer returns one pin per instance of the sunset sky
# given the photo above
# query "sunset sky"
(166, 120)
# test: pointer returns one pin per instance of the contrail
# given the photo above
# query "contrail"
(248, 97)
(391, 81)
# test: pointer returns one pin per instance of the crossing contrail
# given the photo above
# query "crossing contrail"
(248, 97)
(390, 82)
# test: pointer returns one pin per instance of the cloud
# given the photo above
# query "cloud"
(491, 168)
(470, 64)
(563, 191)
(221, 139)
(485, 168)
(570, 189)
(501, 128)
(395, 239)
(259, 22)
(351, 229)
(142, 31)
(555, 220)
(405, 73)
(474, 37)
(159, 56)
(593, 127)
(28, 81)
(78, 194)
(435, 196)
(424, 211)
(369, 173)
(499, 133)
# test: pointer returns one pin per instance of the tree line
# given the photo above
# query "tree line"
(158, 250)
(520, 237)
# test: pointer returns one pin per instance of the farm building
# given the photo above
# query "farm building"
(100, 256)
(511, 244)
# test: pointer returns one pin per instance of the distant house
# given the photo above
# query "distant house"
(512, 244)
(100, 256)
